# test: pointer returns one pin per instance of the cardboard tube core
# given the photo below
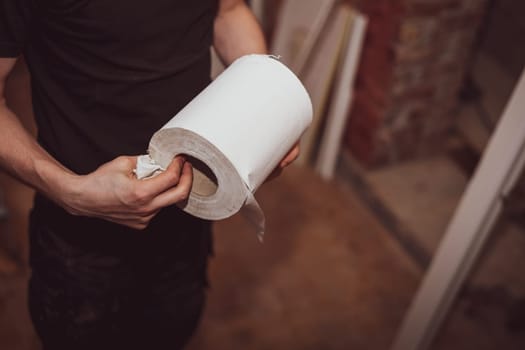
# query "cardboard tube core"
(204, 180)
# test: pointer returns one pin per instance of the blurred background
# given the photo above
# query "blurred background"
(407, 94)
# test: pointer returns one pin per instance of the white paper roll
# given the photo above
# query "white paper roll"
(235, 132)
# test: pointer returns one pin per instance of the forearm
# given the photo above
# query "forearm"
(237, 32)
(25, 159)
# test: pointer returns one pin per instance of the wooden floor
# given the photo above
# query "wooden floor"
(328, 276)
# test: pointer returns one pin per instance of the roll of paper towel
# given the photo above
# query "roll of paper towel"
(234, 133)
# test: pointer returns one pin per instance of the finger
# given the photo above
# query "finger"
(290, 157)
(165, 180)
(127, 215)
(131, 224)
(178, 193)
(131, 162)
(123, 164)
(138, 223)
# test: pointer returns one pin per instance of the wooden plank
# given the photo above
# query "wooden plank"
(319, 74)
(299, 24)
(342, 100)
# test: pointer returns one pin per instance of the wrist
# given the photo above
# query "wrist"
(57, 183)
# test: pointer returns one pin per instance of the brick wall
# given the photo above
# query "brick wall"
(415, 56)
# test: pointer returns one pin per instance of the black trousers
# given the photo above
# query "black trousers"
(116, 288)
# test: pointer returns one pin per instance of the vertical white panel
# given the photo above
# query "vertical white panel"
(299, 24)
(341, 101)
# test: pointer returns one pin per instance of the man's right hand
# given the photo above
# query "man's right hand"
(113, 192)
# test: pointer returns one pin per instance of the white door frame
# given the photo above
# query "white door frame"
(480, 206)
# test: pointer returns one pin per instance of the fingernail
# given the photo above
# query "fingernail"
(180, 159)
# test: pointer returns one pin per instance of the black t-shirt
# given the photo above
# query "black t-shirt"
(106, 74)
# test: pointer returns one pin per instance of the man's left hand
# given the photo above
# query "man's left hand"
(288, 159)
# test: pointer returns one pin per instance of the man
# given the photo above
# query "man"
(116, 265)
